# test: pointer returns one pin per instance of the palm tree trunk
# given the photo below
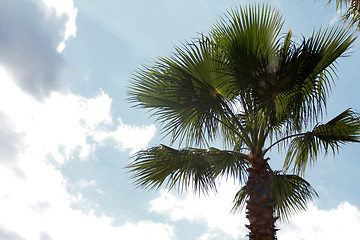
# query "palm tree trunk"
(259, 209)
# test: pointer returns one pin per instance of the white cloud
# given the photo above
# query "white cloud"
(40, 204)
(64, 125)
(214, 210)
(8, 235)
(336, 17)
(31, 33)
(338, 223)
(137, 137)
(10, 141)
(34, 202)
(64, 7)
(85, 183)
(341, 222)
(37, 137)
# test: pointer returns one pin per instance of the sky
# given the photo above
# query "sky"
(67, 130)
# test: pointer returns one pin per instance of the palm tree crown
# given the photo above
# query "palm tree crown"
(252, 88)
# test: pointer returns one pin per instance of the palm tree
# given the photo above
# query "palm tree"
(247, 86)
(352, 13)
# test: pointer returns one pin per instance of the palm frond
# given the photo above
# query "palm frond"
(290, 194)
(248, 38)
(289, 81)
(306, 75)
(305, 148)
(186, 168)
(185, 92)
(352, 12)
(240, 200)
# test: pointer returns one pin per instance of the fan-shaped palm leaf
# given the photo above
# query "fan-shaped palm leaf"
(184, 92)
(352, 13)
(290, 193)
(248, 38)
(304, 149)
(196, 168)
(305, 74)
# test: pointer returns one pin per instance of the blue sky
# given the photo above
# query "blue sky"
(67, 131)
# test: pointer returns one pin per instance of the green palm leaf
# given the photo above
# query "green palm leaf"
(240, 200)
(182, 91)
(352, 14)
(189, 167)
(290, 193)
(187, 93)
(304, 149)
(290, 81)
(248, 38)
(297, 91)
(248, 87)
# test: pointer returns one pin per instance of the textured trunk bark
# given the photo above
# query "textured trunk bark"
(259, 209)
